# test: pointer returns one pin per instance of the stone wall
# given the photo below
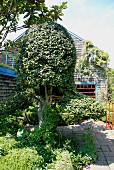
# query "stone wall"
(7, 85)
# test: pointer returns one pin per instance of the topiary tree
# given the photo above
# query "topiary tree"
(46, 63)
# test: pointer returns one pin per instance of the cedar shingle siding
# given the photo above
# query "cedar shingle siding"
(100, 82)
(7, 85)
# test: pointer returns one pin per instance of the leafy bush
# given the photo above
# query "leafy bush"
(7, 143)
(88, 147)
(19, 100)
(28, 116)
(63, 162)
(74, 154)
(19, 159)
(12, 122)
(85, 108)
(8, 124)
(46, 135)
(50, 145)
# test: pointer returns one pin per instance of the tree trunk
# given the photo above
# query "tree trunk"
(41, 108)
(40, 116)
(43, 103)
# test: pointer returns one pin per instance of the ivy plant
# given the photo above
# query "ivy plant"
(93, 58)
(46, 63)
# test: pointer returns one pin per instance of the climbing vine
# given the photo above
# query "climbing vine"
(92, 60)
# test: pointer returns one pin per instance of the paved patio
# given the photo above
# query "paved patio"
(104, 141)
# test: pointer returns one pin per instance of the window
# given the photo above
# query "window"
(87, 89)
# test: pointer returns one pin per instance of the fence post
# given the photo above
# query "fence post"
(112, 115)
(108, 116)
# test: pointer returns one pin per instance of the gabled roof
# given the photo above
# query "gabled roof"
(76, 36)
(19, 36)
(73, 34)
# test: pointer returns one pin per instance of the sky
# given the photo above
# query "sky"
(91, 20)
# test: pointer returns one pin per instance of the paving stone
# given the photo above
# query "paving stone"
(110, 158)
(104, 163)
(110, 162)
(97, 146)
(109, 154)
(105, 148)
(111, 148)
(102, 143)
(110, 143)
(98, 149)
(101, 156)
(99, 138)
(96, 142)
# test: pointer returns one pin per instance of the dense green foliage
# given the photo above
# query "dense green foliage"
(20, 159)
(47, 58)
(45, 147)
(111, 84)
(93, 58)
(63, 161)
(85, 108)
(46, 63)
(19, 100)
(45, 68)
(34, 11)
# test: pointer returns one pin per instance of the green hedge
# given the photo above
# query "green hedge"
(21, 159)
(77, 110)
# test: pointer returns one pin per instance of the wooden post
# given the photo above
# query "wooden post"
(112, 115)
(108, 116)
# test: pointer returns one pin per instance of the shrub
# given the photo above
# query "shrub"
(28, 116)
(63, 162)
(7, 143)
(46, 135)
(8, 124)
(19, 100)
(85, 108)
(75, 153)
(21, 159)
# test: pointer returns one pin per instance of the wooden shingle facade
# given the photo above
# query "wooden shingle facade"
(94, 86)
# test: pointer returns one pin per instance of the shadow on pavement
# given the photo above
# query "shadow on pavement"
(104, 141)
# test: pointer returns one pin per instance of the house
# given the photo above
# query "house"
(94, 84)
(93, 81)
(7, 75)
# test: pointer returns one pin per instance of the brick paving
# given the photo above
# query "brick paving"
(104, 141)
